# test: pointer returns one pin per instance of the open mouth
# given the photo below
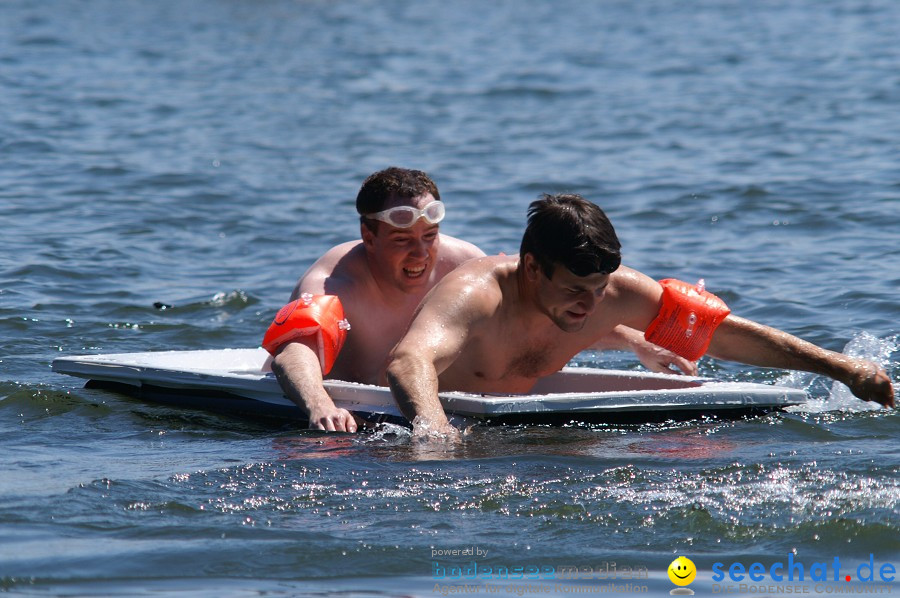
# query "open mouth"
(416, 272)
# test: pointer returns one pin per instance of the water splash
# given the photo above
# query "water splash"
(865, 346)
(839, 398)
(389, 432)
(236, 298)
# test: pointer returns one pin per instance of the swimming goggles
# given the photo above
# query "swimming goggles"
(406, 216)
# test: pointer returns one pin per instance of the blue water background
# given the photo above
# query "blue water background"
(202, 154)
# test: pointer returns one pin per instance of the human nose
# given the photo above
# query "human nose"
(419, 248)
(588, 301)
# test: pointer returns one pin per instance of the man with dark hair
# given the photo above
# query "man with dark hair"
(379, 280)
(497, 324)
(564, 229)
(393, 181)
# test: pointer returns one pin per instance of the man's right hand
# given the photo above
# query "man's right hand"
(428, 431)
(332, 419)
(297, 369)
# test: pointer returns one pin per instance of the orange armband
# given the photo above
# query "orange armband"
(687, 319)
(319, 315)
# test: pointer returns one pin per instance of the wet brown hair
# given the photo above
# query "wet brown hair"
(567, 229)
(381, 186)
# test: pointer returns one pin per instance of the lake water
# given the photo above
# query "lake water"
(202, 154)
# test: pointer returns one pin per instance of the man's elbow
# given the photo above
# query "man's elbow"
(279, 364)
(290, 357)
(394, 370)
(401, 366)
(284, 363)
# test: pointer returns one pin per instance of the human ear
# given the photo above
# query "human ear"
(532, 268)
(368, 237)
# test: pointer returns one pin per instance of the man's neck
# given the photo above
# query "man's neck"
(525, 304)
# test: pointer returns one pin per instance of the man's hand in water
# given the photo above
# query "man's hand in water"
(871, 383)
(332, 419)
(434, 432)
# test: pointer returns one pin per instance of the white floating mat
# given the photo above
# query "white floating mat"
(215, 378)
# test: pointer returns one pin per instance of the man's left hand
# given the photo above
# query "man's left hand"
(871, 383)
(657, 359)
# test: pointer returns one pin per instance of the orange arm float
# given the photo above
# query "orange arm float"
(319, 315)
(687, 319)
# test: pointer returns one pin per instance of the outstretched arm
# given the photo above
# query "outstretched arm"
(745, 341)
(738, 339)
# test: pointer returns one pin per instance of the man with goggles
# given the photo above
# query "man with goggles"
(380, 281)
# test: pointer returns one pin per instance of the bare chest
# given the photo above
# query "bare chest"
(531, 361)
(489, 366)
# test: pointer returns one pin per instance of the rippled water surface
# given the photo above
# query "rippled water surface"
(201, 155)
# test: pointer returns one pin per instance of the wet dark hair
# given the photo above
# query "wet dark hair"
(381, 186)
(567, 229)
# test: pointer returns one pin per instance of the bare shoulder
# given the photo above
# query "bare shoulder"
(629, 281)
(474, 287)
(454, 252)
(633, 297)
(337, 272)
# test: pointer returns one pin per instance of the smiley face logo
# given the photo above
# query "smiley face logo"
(682, 571)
